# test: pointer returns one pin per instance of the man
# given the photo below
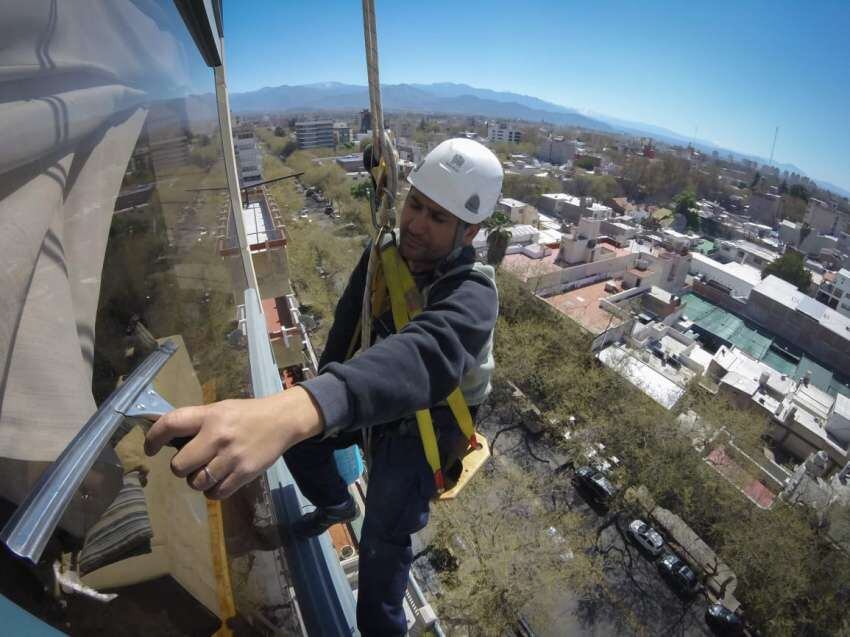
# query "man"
(448, 345)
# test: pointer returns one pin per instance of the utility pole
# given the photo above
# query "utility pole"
(773, 146)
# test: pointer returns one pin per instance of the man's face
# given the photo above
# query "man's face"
(428, 231)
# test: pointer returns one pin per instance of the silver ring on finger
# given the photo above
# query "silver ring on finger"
(210, 476)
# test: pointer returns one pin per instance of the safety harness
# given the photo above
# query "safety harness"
(393, 288)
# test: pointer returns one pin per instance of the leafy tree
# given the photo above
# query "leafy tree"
(525, 188)
(800, 191)
(756, 180)
(498, 236)
(686, 204)
(288, 148)
(585, 162)
(790, 268)
(793, 208)
(361, 189)
(279, 131)
(604, 187)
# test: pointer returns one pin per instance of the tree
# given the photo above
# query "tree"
(756, 180)
(279, 131)
(790, 268)
(525, 188)
(585, 162)
(800, 191)
(361, 189)
(498, 236)
(793, 208)
(686, 205)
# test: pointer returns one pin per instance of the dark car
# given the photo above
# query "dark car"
(679, 574)
(724, 621)
(595, 483)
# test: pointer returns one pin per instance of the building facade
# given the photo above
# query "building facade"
(504, 133)
(249, 160)
(518, 211)
(342, 133)
(556, 150)
(315, 134)
(765, 208)
(834, 292)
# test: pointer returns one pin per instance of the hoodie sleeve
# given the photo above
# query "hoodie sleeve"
(417, 367)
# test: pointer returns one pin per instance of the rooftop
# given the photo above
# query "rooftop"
(742, 271)
(582, 305)
(512, 203)
(562, 196)
(786, 294)
(752, 248)
(642, 375)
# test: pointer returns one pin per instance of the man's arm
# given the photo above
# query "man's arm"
(414, 369)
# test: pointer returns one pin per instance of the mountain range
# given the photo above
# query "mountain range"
(462, 99)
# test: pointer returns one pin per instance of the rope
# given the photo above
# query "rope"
(371, 40)
(385, 178)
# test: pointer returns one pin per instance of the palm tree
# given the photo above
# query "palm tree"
(498, 232)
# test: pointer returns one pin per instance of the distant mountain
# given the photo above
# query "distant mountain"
(462, 99)
(424, 98)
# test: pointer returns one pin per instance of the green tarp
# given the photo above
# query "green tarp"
(726, 326)
(731, 329)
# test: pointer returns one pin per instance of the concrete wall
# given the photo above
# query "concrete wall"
(719, 298)
(764, 208)
(714, 271)
(817, 341)
(571, 275)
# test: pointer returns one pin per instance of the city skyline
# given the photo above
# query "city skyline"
(725, 74)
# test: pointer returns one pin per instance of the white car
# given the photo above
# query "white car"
(646, 537)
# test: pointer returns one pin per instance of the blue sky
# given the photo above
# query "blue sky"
(735, 70)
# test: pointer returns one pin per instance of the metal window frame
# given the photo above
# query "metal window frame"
(203, 21)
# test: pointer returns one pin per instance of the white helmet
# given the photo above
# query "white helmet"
(461, 175)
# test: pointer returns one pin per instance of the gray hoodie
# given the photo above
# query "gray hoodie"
(447, 345)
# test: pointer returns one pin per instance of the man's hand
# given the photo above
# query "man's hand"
(233, 441)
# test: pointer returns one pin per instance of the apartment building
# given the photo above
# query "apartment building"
(315, 134)
(248, 158)
(502, 132)
(834, 291)
(556, 150)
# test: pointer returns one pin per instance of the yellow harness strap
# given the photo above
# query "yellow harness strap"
(406, 303)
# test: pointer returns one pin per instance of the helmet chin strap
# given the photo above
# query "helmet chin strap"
(457, 244)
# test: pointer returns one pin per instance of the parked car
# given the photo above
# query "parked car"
(595, 483)
(646, 537)
(724, 621)
(679, 574)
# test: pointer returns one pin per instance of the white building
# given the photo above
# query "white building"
(735, 278)
(805, 419)
(248, 157)
(834, 292)
(315, 134)
(746, 252)
(503, 133)
(518, 211)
